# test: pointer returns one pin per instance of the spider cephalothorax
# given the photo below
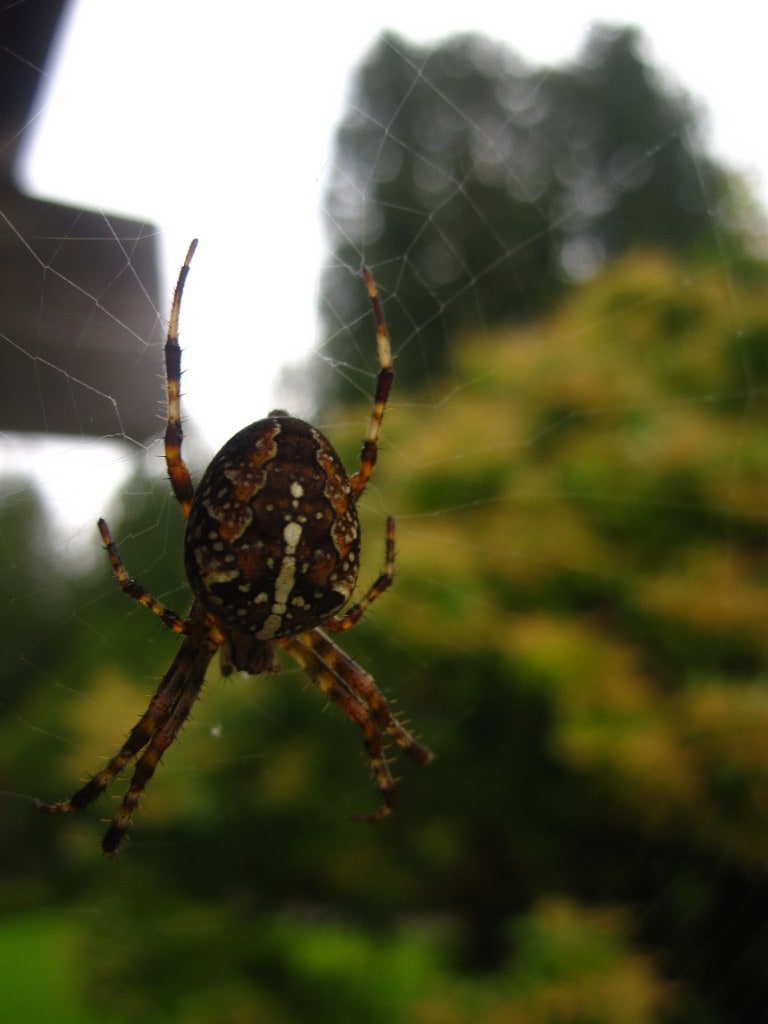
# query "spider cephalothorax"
(271, 551)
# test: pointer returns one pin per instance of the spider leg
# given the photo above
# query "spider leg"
(302, 649)
(137, 738)
(353, 691)
(181, 481)
(182, 698)
(333, 658)
(156, 730)
(370, 449)
(134, 589)
(338, 625)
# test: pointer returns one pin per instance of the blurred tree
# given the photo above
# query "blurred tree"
(38, 590)
(32, 586)
(478, 187)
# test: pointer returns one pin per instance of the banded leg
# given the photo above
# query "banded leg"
(181, 481)
(370, 448)
(356, 695)
(384, 581)
(357, 679)
(156, 729)
(166, 731)
(138, 738)
(134, 589)
(302, 649)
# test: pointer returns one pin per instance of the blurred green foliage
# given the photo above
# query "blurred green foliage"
(36, 946)
(578, 628)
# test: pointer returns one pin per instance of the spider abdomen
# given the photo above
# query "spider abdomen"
(273, 539)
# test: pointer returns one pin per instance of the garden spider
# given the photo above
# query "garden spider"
(271, 552)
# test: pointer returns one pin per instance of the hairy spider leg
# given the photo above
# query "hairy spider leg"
(134, 589)
(339, 623)
(370, 448)
(331, 656)
(181, 481)
(187, 674)
(302, 649)
(356, 695)
(155, 730)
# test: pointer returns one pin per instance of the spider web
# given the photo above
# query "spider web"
(209, 142)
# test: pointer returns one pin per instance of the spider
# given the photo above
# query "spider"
(271, 552)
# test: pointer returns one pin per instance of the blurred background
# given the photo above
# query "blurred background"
(564, 216)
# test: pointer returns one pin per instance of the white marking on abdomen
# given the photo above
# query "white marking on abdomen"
(284, 582)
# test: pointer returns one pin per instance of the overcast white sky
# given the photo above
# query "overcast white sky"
(156, 110)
